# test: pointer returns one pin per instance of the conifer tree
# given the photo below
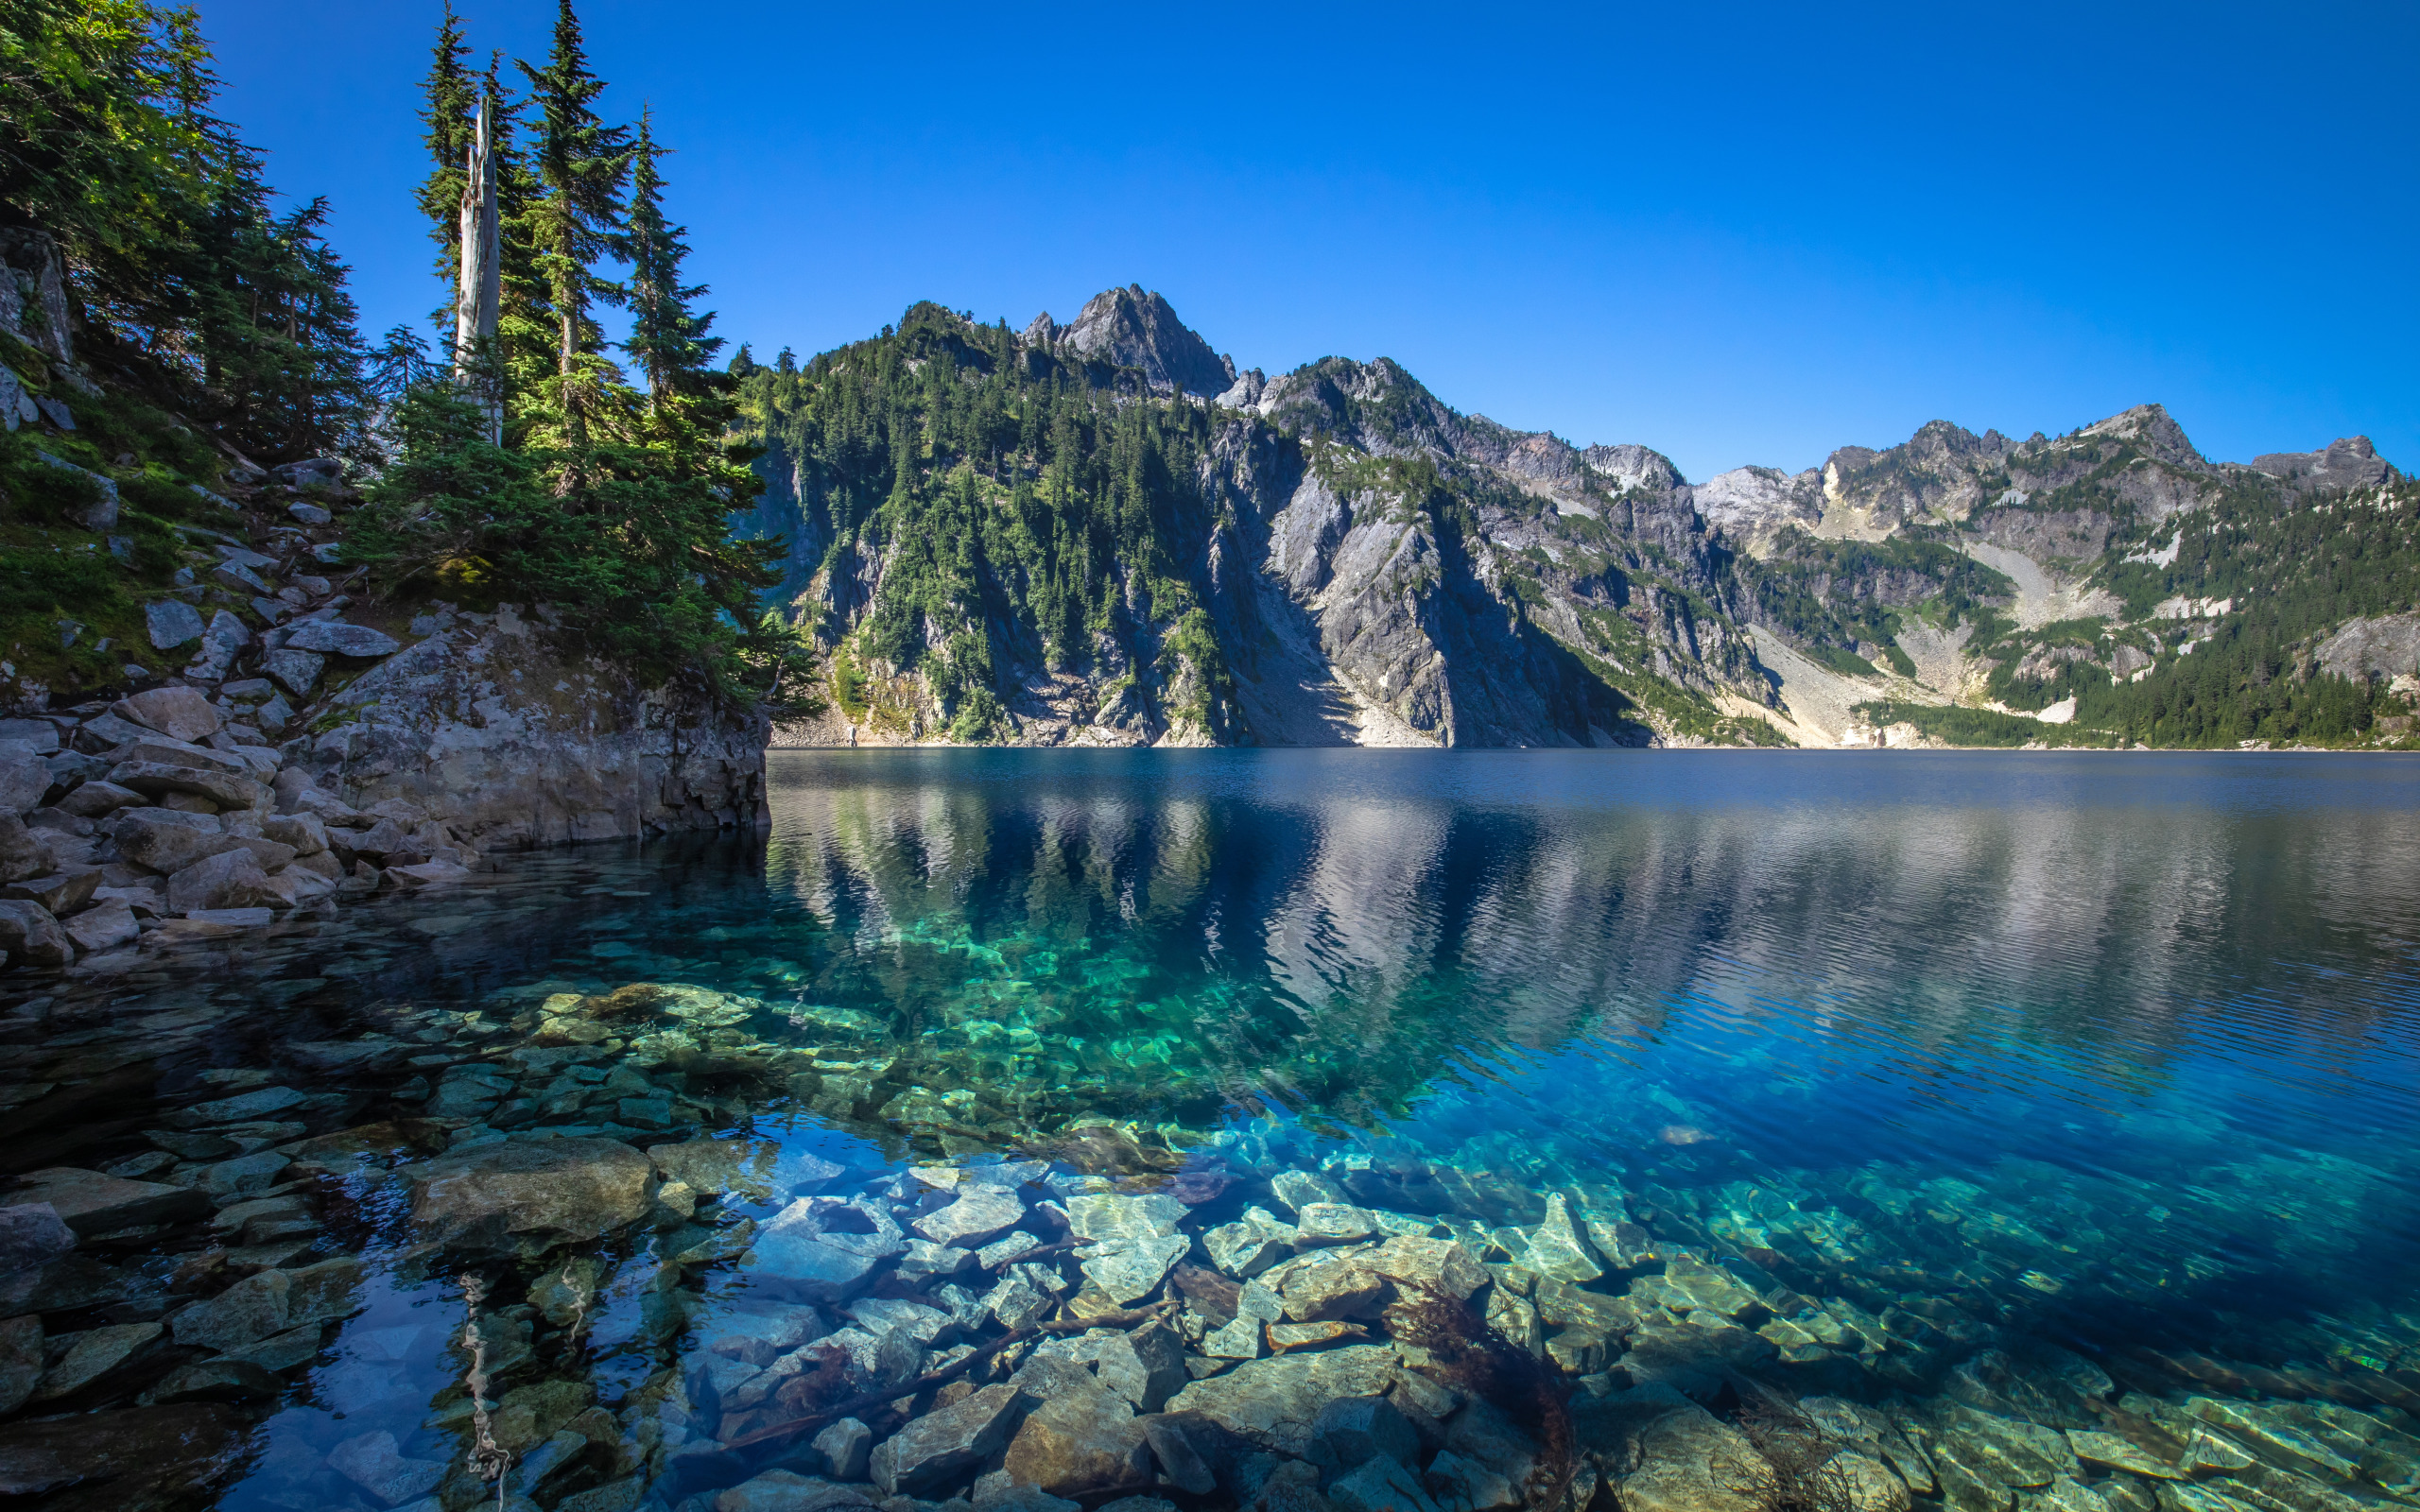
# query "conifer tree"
(581, 164)
(450, 99)
(668, 338)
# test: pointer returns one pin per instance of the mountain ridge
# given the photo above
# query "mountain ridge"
(1363, 563)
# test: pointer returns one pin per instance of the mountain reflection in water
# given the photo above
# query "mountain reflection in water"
(2068, 1092)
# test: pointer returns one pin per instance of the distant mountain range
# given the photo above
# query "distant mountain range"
(1104, 533)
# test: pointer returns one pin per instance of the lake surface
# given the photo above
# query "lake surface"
(1997, 1094)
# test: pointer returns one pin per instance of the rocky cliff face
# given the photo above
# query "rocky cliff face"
(1376, 567)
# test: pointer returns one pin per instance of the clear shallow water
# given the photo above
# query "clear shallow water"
(2109, 1054)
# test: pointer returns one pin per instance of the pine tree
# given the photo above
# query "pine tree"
(450, 100)
(581, 164)
(669, 339)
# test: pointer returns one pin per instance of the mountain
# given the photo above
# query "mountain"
(1104, 533)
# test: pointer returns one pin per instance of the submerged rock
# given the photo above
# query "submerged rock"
(530, 1195)
(1274, 1402)
(947, 1444)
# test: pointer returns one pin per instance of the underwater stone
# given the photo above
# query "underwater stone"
(845, 1446)
(530, 1195)
(1273, 1402)
(1238, 1340)
(1322, 1289)
(1130, 1270)
(1381, 1485)
(1000, 1251)
(91, 1203)
(20, 1360)
(1467, 1485)
(1113, 1216)
(1145, 1367)
(94, 1354)
(2095, 1448)
(938, 1449)
(1016, 1302)
(1332, 1223)
(373, 1463)
(925, 1260)
(31, 1236)
(1690, 1462)
(1353, 1430)
(1297, 1189)
(1556, 1249)
(1080, 1444)
(978, 1215)
(1247, 1248)
(1438, 1265)
(785, 1491)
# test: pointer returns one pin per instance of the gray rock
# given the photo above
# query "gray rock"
(91, 1203)
(1130, 327)
(980, 1214)
(160, 782)
(1250, 1246)
(1381, 1484)
(337, 637)
(31, 937)
(1465, 1485)
(1189, 1449)
(62, 892)
(1350, 1429)
(528, 1197)
(1145, 1367)
(167, 840)
(31, 1236)
(1240, 1339)
(312, 472)
(933, 1451)
(1081, 1444)
(1298, 1188)
(1556, 1247)
(24, 777)
(824, 1248)
(1689, 1461)
(232, 879)
(171, 623)
(97, 800)
(309, 515)
(103, 927)
(94, 1354)
(40, 736)
(225, 638)
(1274, 1402)
(21, 854)
(1113, 1216)
(297, 672)
(251, 1309)
(845, 1447)
(1131, 1269)
(784, 1491)
(373, 1463)
(1006, 1248)
(1016, 1302)
(239, 579)
(101, 514)
(923, 1259)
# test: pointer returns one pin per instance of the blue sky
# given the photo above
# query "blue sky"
(1736, 234)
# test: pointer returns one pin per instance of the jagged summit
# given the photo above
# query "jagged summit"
(1135, 328)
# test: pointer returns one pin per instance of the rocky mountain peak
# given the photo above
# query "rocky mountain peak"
(2151, 427)
(2350, 462)
(1135, 328)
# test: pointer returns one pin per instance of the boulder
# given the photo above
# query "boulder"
(1129, 1270)
(62, 892)
(96, 1353)
(171, 623)
(1145, 1367)
(824, 1248)
(37, 735)
(1382, 1485)
(91, 1203)
(312, 472)
(101, 514)
(337, 637)
(846, 1446)
(142, 1457)
(1251, 1244)
(159, 750)
(1189, 1448)
(1690, 1461)
(232, 879)
(1323, 1289)
(103, 927)
(297, 672)
(226, 636)
(373, 1463)
(97, 800)
(167, 840)
(784, 1491)
(1081, 1444)
(21, 853)
(270, 1302)
(1352, 1429)
(1429, 1265)
(1274, 1402)
(531, 1195)
(1115, 1217)
(978, 1215)
(305, 833)
(31, 937)
(244, 1108)
(31, 1236)
(946, 1445)
(157, 780)
(176, 712)
(25, 778)
(226, 1379)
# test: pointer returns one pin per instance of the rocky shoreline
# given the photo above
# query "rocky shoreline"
(298, 758)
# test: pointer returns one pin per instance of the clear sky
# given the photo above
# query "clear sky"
(1737, 234)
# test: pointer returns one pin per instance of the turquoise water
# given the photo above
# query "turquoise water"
(2110, 1058)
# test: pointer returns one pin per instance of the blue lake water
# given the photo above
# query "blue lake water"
(1927, 1082)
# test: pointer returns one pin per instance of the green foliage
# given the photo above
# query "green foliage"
(186, 286)
(1960, 726)
(1008, 508)
(1826, 597)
